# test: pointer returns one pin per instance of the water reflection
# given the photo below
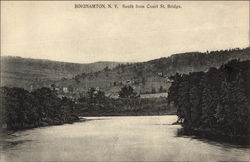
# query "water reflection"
(11, 144)
(214, 140)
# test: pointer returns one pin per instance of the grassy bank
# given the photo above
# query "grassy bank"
(126, 106)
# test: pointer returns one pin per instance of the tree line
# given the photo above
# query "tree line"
(216, 100)
(23, 109)
(95, 103)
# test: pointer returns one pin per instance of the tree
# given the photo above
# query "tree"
(161, 89)
(153, 90)
(106, 68)
(127, 92)
(22, 109)
(95, 96)
(217, 100)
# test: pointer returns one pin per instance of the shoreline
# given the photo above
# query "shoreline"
(43, 124)
(81, 118)
(216, 136)
(124, 115)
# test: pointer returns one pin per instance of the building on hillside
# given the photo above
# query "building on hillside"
(31, 88)
(160, 74)
(168, 80)
(65, 90)
(190, 69)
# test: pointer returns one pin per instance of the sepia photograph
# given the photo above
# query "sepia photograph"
(125, 80)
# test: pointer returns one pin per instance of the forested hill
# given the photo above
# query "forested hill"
(145, 77)
(151, 76)
(23, 72)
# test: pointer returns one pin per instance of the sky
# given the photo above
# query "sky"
(58, 31)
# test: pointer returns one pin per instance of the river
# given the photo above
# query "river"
(130, 138)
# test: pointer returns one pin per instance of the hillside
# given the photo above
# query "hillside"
(145, 77)
(151, 76)
(24, 72)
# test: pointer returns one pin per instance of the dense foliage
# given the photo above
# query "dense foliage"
(22, 109)
(216, 100)
(96, 104)
(127, 92)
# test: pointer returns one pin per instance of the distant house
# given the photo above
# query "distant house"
(128, 81)
(97, 88)
(65, 90)
(112, 95)
(190, 68)
(31, 88)
(168, 80)
(160, 74)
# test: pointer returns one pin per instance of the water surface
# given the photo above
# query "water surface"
(133, 138)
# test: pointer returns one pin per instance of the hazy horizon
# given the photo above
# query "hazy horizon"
(111, 60)
(57, 31)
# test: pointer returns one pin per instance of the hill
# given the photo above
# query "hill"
(151, 76)
(145, 77)
(24, 72)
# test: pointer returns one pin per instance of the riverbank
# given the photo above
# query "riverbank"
(126, 107)
(48, 122)
(214, 104)
(215, 135)
(127, 113)
(21, 109)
